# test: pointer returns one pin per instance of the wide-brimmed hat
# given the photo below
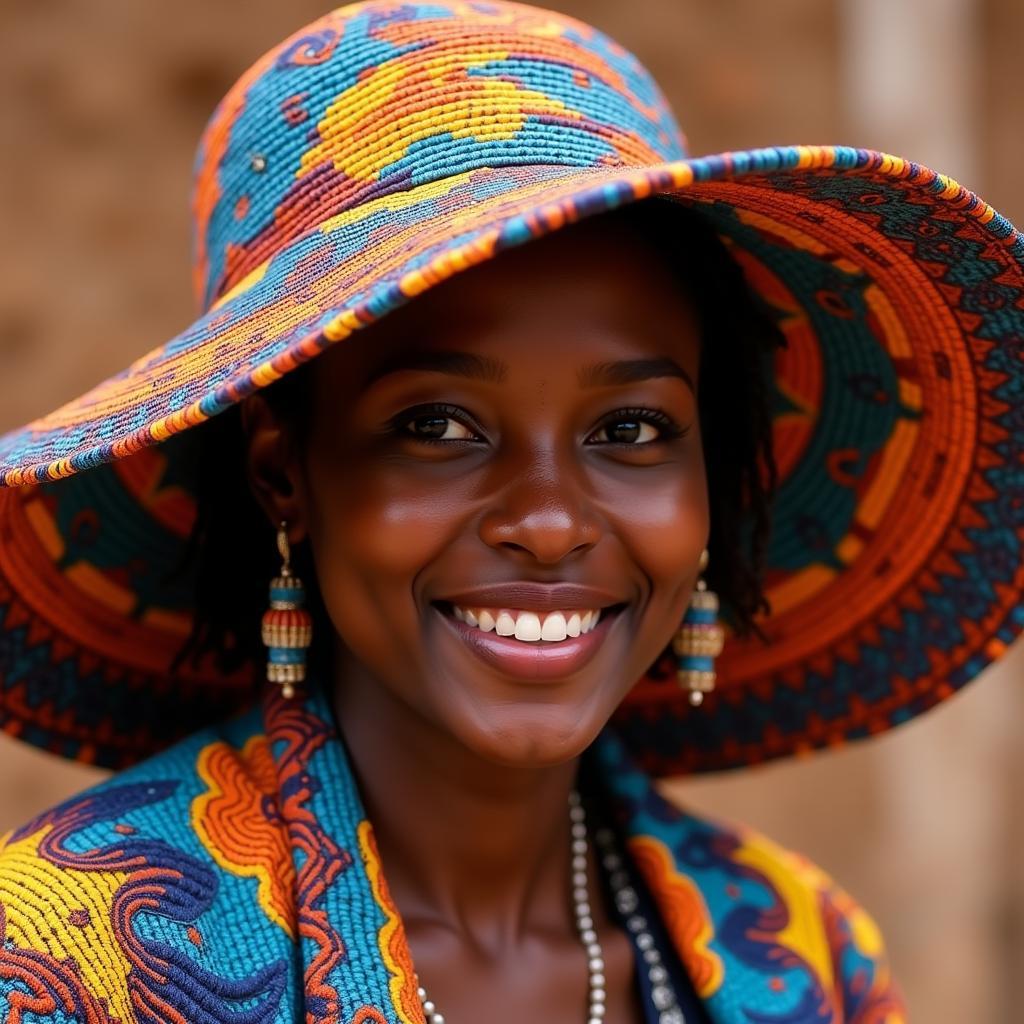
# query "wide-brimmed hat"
(390, 145)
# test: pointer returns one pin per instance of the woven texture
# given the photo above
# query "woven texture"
(389, 146)
(113, 906)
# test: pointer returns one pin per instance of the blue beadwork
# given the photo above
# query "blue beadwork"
(286, 655)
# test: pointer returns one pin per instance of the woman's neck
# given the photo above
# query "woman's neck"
(466, 844)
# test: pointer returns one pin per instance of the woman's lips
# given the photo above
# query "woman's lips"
(533, 659)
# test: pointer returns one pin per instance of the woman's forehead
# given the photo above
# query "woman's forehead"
(595, 292)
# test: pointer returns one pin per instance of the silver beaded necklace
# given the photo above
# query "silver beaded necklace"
(662, 993)
(584, 922)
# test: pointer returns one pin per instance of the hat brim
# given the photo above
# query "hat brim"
(895, 568)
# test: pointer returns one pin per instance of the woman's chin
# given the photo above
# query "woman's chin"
(527, 704)
(530, 736)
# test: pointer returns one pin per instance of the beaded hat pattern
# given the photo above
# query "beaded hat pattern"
(388, 146)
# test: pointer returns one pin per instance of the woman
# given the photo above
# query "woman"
(492, 505)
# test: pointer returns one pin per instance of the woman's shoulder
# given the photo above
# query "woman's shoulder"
(774, 923)
(160, 781)
(135, 877)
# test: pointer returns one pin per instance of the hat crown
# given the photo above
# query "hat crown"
(376, 99)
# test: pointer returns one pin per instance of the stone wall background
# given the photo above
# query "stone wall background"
(103, 102)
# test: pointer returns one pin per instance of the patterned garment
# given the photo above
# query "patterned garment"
(235, 878)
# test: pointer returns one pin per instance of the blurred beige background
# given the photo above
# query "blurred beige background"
(103, 101)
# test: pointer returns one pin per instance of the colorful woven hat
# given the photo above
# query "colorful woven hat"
(390, 145)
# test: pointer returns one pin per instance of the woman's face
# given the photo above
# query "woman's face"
(516, 452)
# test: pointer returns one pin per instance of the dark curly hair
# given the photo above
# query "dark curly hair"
(232, 551)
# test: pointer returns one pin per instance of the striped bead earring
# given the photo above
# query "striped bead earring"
(287, 626)
(699, 641)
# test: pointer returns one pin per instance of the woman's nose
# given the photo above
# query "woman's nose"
(542, 512)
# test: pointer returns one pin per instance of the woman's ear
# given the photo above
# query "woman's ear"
(273, 466)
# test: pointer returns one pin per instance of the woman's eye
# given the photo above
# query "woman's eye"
(434, 427)
(627, 431)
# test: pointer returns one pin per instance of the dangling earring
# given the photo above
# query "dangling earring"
(287, 626)
(699, 641)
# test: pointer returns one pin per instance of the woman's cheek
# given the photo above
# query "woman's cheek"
(378, 516)
(373, 542)
(664, 524)
(370, 544)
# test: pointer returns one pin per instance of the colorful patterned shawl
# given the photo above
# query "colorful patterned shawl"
(234, 877)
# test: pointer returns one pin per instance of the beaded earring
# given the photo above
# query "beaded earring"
(287, 626)
(699, 641)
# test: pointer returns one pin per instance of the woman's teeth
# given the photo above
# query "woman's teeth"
(529, 626)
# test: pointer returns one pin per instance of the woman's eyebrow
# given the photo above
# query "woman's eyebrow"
(461, 364)
(633, 371)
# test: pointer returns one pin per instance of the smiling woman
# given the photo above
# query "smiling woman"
(514, 381)
(515, 456)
